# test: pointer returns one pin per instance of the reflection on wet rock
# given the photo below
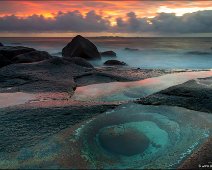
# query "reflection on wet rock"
(125, 91)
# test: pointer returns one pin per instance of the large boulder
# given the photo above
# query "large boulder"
(12, 51)
(114, 62)
(32, 56)
(81, 47)
(81, 62)
(108, 54)
(1, 45)
(4, 61)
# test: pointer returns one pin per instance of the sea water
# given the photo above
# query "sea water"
(164, 53)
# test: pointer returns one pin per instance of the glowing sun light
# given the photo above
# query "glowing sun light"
(181, 11)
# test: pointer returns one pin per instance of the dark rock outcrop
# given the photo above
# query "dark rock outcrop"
(10, 51)
(114, 62)
(81, 47)
(55, 74)
(4, 61)
(194, 94)
(108, 54)
(30, 57)
(81, 62)
(1, 44)
(19, 54)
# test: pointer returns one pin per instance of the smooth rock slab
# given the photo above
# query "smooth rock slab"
(193, 94)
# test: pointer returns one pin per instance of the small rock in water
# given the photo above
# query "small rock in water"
(108, 54)
(131, 49)
(114, 62)
(1, 44)
(198, 53)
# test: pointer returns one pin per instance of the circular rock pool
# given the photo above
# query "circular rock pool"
(137, 136)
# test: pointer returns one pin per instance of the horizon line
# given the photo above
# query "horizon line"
(109, 37)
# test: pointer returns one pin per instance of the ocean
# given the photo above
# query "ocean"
(160, 53)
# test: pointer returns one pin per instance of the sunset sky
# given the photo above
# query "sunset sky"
(109, 18)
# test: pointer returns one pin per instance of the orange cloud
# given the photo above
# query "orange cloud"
(106, 9)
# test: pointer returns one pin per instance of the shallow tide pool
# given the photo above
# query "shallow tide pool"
(137, 136)
(124, 91)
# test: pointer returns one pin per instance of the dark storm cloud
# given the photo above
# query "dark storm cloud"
(198, 22)
(71, 21)
(132, 24)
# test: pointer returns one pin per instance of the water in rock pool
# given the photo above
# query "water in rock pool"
(124, 91)
(154, 137)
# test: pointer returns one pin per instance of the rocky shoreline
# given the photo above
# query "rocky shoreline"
(54, 79)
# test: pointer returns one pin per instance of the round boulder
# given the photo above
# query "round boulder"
(81, 47)
(1, 44)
